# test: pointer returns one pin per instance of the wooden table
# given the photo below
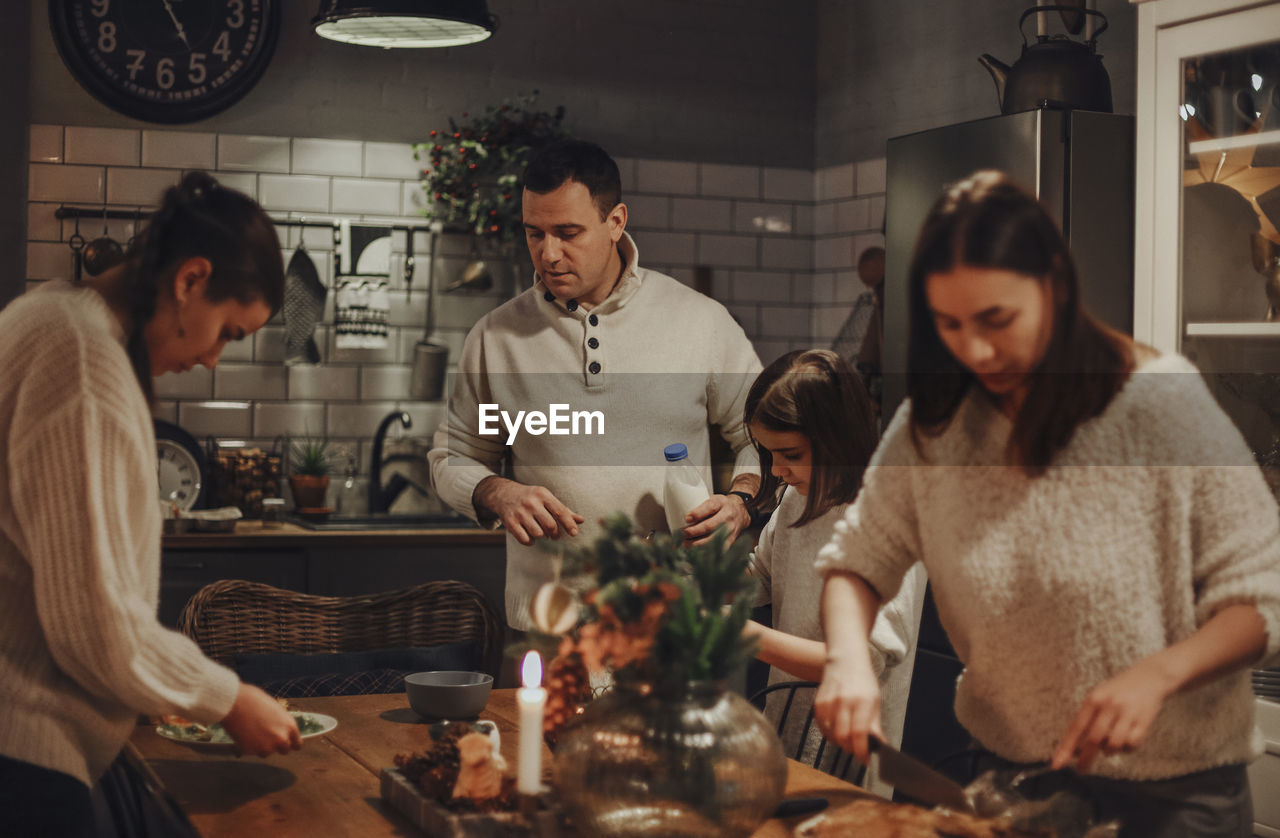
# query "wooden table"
(331, 786)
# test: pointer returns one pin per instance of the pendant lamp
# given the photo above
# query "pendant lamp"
(404, 23)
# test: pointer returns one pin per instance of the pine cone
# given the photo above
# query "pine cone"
(568, 690)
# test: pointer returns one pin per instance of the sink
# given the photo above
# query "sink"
(385, 521)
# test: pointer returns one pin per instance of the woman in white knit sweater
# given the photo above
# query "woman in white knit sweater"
(1103, 550)
(81, 651)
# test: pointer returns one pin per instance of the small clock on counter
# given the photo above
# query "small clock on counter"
(180, 466)
(167, 60)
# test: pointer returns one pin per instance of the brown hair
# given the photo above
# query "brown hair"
(816, 393)
(200, 218)
(986, 221)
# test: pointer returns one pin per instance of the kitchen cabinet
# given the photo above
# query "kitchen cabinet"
(1207, 255)
(1207, 234)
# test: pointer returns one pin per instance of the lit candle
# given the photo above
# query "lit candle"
(532, 698)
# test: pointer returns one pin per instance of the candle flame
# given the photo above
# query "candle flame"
(531, 670)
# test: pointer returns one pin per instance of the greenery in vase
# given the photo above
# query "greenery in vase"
(660, 613)
(473, 168)
(311, 457)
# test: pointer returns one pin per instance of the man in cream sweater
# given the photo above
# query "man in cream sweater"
(582, 380)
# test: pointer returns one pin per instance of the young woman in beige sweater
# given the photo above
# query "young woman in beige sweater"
(81, 651)
(1103, 549)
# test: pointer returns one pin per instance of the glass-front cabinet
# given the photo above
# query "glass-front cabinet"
(1208, 238)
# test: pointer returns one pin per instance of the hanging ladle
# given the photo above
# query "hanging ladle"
(430, 360)
(103, 252)
(76, 243)
(475, 275)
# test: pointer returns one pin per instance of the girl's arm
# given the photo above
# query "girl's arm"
(797, 656)
(1117, 713)
(847, 705)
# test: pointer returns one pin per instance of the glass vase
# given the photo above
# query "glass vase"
(697, 761)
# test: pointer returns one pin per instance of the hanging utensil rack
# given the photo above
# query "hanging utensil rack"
(140, 213)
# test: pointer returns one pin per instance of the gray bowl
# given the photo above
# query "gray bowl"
(448, 694)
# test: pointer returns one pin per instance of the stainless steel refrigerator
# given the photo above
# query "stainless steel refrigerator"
(1081, 165)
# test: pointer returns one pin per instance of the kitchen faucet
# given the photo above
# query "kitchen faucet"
(380, 498)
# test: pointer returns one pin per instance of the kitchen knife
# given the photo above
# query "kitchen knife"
(914, 778)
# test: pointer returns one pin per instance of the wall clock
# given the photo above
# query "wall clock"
(179, 466)
(166, 60)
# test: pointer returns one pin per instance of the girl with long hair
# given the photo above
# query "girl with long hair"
(812, 424)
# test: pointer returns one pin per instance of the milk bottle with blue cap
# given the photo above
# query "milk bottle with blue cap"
(682, 488)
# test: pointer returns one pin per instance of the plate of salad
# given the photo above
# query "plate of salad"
(214, 736)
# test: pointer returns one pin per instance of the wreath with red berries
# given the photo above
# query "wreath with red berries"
(473, 168)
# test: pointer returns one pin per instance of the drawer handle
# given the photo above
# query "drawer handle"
(185, 565)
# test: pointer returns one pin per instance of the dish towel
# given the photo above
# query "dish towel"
(304, 296)
(363, 309)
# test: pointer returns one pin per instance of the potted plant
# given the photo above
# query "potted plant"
(311, 462)
(473, 167)
(669, 739)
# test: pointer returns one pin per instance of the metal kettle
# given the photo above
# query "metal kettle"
(1054, 72)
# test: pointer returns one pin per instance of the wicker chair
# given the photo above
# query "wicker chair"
(800, 737)
(233, 617)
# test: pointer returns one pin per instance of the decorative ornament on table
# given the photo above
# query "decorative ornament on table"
(668, 750)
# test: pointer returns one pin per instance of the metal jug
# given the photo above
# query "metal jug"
(1054, 72)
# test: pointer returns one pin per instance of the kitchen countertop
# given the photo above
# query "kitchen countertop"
(254, 534)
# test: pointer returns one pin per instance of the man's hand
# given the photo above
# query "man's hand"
(705, 518)
(527, 512)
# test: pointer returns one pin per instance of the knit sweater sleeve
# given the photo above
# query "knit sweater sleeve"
(878, 538)
(460, 456)
(85, 461)
(1235, 525)
(894, 630)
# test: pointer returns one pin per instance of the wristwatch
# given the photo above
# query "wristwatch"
(747, 500)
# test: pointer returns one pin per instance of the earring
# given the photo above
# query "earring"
(182, 333)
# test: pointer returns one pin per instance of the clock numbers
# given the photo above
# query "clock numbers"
(166, 60)
(135, 66)
(164, 73)
(107, 36)
(195, 69)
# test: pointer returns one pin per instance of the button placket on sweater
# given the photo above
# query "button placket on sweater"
(593, 355)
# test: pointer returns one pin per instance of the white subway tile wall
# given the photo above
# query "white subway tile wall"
(179, 150)
(104, 146)
(781, 245)
(139, 187)
(848, 217)
(46, 144)
(327, 157)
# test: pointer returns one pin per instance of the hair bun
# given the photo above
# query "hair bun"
(196, 186)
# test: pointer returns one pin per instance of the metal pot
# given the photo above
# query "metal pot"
(1055, 71)
(426, 381)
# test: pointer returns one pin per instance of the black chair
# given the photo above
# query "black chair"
(797, 741)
